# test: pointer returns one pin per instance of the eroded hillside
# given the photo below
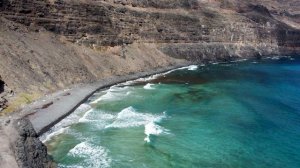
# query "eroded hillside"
(48, 45)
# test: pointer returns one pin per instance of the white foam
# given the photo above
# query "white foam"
(83, 107)
(148, 86)
(152, 77)
(129, 117)
(94, 156)
(101, 118)
(50, 135)
(63, 125)
(277, 57)
(173, 70)
(148, 78)
(192, 67)
(153, 129)
(84, 118)
(113, 93)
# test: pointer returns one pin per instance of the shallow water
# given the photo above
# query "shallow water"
(243, 114)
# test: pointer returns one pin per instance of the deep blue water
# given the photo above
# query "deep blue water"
(243, 114)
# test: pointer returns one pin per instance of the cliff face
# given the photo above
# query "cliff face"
(110, 23)
(47, 45)
(51, 44)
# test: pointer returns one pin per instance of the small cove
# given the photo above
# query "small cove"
(242, 114)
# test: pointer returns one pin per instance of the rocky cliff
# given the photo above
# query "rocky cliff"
(48, 45)
(5, 94)
(20, 146)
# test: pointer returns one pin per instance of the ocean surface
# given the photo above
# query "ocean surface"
(239, 114)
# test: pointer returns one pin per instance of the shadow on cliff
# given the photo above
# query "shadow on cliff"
(1, 85)
(4, 3)
(287, 37)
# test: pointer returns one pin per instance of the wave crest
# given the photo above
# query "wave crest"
(153, 129)
(129, 117)
(92, 155)
(63, 126)
(148, 86)
(113, 93)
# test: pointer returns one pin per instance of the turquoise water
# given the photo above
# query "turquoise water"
(243, 114)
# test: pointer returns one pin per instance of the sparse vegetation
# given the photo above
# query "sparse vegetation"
(20, 101)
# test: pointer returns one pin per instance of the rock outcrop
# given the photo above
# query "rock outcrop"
(3, 101)
(21, 147)
(5, 94)
(29, 150)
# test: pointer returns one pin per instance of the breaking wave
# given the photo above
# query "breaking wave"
(192, 68)
(113, 93)
(129, 117)
(153, 129)
(148, 86)
(152, 77)
(92, 155)
(63, 126)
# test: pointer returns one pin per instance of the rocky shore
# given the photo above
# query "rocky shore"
(21, 132)
(21, 147)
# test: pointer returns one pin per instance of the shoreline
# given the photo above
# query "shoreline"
(40, 116)
(59, 105)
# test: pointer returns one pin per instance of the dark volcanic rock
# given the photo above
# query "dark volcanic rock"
(5, 93)
(2, 84)
(30, 152)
